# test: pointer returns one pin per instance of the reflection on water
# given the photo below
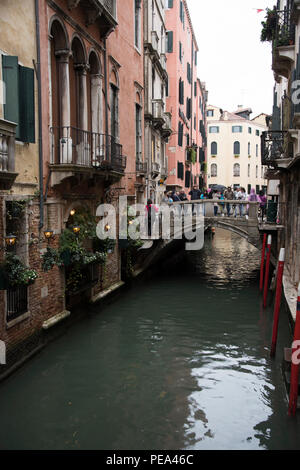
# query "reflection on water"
(181, 363)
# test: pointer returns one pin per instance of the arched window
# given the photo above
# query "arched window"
(249, 148)
(214, 148)
(236, 148)
(236, 169)
(213, 170)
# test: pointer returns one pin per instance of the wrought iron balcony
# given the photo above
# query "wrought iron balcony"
(283, 42)
(75, 150)
(276, 148)
(7, 154)
(101, 11)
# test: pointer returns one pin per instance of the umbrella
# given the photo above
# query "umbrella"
(218, 187)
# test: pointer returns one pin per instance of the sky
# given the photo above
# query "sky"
(232, 61)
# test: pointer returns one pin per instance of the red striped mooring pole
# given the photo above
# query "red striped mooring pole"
(295, 361)
(269, 243)
(280, 269)
(262, 265)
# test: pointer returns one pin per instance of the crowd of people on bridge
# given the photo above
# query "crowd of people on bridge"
(223, 202)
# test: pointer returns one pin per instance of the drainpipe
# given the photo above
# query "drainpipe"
(41, 174)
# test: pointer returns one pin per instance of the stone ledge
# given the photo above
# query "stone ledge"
(290, 293)
(106, 292)
(54, 320)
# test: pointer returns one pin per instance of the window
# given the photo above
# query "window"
(189, 74)
(256, 171)
(213, 170)
(236, 129)
(137, 23)
(214, 130)
(169, 46)
(248, 170)
(180, 170)
(195, 57)
(257, 133)
(169, 3)
(20, 103)
(195, 121)
(257, 150)
(195, 88)
(236, 148)
(210, 113)
(236, 169)
(249, 148)
(214, 148)
(181, 13)
(249, 130)
(180, 134)
(188, 108)
(138, 132)
(181, 91)
(114, 106)
(180, 52)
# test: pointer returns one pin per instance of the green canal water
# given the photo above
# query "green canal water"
(181, 362)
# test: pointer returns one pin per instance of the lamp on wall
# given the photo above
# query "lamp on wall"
(48, 234)
(10, 240)
(76, 229)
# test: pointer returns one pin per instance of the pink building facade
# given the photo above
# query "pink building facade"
(186, 102)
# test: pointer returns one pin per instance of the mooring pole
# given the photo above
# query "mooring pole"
(269, 243)
(262, 265)
(277, 301)
(295, 361)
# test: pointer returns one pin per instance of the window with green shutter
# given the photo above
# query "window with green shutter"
(19, 102)
(170, 3)
(10, 75)
(169, 41)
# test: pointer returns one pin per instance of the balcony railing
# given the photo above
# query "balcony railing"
(275, 147)
(285, 29)
(158, 110)
(7, 154)
(110, 6)
(72, 146)
(141, 167)
(155, 168)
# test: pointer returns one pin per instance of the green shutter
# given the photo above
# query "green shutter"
(170, 3)
(170, 41)
(11, 80)
(26, 98)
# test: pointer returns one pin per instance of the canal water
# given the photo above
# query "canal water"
(182, 362)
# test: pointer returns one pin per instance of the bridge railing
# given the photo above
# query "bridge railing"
(214, 207)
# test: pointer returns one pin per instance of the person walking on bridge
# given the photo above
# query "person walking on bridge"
(229, 196)
(195, 194)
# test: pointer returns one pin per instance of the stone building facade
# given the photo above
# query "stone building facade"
(281, 143)
(73, 79)
(234, 149)
(186, 100)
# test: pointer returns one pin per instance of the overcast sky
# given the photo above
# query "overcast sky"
(233, 62)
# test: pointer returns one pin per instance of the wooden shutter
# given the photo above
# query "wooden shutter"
(180, 170)
(11, 80)
(170, 41)
(180, 134)
(26, 99)
(187, 179)
(170, 3)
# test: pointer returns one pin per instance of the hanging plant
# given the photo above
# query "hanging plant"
(269, 26)
(14, 273)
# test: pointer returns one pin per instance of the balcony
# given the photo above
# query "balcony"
(74, 151)
(167, 127)
(276, 149)
(164, 171)
(7, 154)
(101, 11)
(155, 42)
(141, 168)
(283, 43)
(155, 169)
(158, 115)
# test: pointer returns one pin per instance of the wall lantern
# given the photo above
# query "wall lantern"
(48, 234)
(10, 240)
(76, 229)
